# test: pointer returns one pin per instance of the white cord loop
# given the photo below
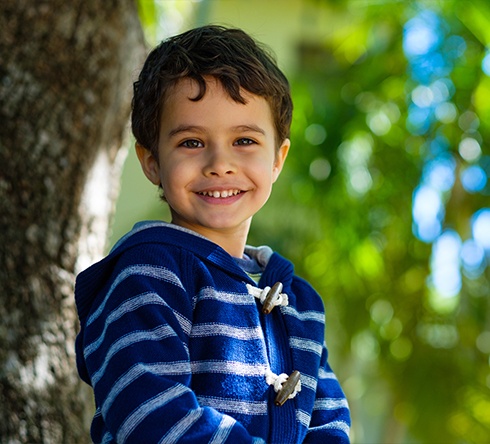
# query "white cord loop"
(286, 387)
(269, 297)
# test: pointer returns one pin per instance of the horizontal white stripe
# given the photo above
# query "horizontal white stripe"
(234, 405)
(311, 315)
(229, 298)
(160, 273)
(230, 367)
(303, 417)
(145, 409)
(323, 374)
(126, 307)
(306, 345)
(336, 425)
(330, 404)
(181, 427)
(308, 382)
(138, 370)
(129, 339)
(230, 331)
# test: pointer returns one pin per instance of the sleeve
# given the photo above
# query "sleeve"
(135, 348)
(330, 420)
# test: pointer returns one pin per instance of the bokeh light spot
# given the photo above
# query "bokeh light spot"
(483, 342)
(365, 346)
(422, 96)
(379, 123)
(485, 64)
(360, 180)
(481, 227)
(320, 169)
(315, 134)
(439, 335)
(473, 179)
(468, 121)
(420, 34)
(392, 329)
(446, 276)
(401, 348)
(446, 112)
(381, 311)
(472, 258)
(418, 120)
(469, 149)
(439, 173)
(427, 213)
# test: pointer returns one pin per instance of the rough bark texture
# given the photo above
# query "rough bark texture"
(65, 87)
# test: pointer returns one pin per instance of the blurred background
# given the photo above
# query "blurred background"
(384, 203)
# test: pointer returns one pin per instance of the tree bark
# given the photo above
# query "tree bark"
(66, 70)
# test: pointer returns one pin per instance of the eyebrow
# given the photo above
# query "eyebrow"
(249, 128)
(185, 129)
(199, 129)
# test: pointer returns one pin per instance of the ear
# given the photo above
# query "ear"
(281, 155)
(149, 164)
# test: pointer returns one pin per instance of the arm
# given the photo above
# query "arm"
(135, 348)
(330, 420)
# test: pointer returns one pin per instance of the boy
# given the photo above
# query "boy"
(187, 334)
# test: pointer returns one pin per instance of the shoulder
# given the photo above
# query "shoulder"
(155, 254)
(142, 258)
(161, 244)
(307, 298)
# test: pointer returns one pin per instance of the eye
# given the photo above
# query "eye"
(192, 143)
(244, 141)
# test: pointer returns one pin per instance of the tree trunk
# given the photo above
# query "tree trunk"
(66, 70)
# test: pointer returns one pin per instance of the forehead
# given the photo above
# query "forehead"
(215, 104)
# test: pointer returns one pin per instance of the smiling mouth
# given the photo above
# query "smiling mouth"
(220, 194)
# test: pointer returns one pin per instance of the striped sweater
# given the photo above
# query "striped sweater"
(176, 348)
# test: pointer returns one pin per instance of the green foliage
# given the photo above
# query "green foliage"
(414, 363)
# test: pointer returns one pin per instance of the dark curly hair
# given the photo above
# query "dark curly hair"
(230, 55)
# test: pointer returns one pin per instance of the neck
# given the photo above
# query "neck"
(234, 245)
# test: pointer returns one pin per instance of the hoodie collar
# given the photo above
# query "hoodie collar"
(90, 281)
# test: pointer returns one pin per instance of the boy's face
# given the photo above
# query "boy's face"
(217, 158)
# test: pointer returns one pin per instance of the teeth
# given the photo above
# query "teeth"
(220, 194)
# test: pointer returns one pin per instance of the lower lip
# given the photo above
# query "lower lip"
(221, 200)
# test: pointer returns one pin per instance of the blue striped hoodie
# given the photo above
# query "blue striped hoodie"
(176, 348)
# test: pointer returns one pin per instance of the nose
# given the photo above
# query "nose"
(219, 162)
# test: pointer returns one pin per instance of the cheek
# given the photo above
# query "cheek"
(173, 174)
(265, 178)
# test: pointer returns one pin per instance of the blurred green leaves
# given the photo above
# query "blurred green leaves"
(357, 158)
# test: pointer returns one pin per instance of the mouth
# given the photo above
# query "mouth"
(220, 194)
